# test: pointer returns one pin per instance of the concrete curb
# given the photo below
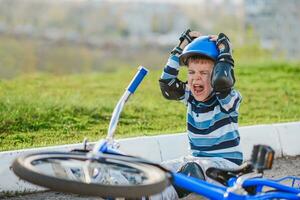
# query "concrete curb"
(283, 138)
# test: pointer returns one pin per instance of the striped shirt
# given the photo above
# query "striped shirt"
(212, 125)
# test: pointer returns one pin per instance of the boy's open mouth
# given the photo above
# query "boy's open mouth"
(198, 89)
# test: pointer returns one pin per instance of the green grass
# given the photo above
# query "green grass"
(40, 109)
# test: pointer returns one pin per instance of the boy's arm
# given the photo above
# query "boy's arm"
(171, 87)
(223, 79)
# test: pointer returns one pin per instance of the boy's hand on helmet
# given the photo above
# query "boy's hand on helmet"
(186, 37)
(213, 37)
(225, 49)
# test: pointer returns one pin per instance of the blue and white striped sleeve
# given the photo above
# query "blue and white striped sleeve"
(172, 88)
(172, 68)
(231, 102)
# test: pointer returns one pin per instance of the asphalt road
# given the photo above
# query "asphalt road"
(282, 167)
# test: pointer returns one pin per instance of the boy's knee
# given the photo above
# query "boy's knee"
(191, 169)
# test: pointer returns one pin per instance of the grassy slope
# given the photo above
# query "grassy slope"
(40, 110)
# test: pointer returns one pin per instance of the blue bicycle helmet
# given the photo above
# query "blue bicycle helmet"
(200, 46)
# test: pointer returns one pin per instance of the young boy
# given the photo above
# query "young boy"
(212, 103)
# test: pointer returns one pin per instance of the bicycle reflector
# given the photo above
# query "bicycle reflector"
(262, 157)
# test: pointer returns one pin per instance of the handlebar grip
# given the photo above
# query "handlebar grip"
(139, 76)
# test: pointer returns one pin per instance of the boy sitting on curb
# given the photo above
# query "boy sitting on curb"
(212, 104)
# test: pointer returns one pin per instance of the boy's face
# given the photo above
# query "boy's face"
(199, 78)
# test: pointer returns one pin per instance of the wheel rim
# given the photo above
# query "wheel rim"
(141, 179)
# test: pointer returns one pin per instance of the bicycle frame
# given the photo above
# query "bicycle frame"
(213, 191)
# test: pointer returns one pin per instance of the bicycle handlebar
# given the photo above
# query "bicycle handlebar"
(139, 76)
(137, 79)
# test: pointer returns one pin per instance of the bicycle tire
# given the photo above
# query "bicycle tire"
(30, 168)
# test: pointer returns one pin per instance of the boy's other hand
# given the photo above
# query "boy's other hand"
(225, 49)
(213, 37)
(191, 36)
(185, 38)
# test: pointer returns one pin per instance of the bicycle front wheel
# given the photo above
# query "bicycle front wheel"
(109, 176)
